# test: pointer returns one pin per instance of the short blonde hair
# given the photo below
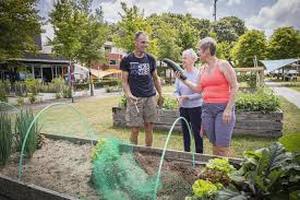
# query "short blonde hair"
(209, 43)
(191, 53)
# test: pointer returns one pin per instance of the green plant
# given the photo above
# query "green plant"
(6, 137)
(113, 89)
(96, 151)
(170, 103)
(57, 95)
(23, 121)
(262, 100)
(217, 171)
(20, 89)
(20, 101)
(291, 142)
(220, 164)
(267, 173)
(67, 92)
(32, 98)
(32, 85)
(205, 190)
(249, 78)
(3, 93)
(123, 101)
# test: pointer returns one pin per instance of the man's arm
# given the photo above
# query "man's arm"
(157, 82)
(126, 87)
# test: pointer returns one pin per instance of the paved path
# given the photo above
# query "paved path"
(289, 94)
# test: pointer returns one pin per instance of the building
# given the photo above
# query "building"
(43, 65)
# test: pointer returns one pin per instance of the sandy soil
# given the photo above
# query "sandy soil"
(66, 167)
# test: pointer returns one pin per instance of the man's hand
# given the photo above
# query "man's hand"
(131, 98)
(160, 101)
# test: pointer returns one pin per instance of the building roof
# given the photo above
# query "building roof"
(272, 65)
(41, 58)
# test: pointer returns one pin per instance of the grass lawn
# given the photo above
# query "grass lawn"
(95, 116)
(296, 88)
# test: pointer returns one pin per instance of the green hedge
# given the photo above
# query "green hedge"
(262, 100)
(98, 84)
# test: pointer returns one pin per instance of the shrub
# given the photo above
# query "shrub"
(123, 101)
(6, 137)
(32, 85)
(3, 93)
(67, 92)
(113, 89)
(267, 173)
(291, 142)
(170, 103)
(23, 121)
(32, 98)
(20, 89)
(20, 101)
(249, 78)
(262, 100)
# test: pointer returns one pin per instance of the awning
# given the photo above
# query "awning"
(272, 65)
(102, 73)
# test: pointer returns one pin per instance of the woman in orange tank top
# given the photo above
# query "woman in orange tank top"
(218, 85)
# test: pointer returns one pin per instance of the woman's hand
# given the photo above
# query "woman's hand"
(180, 99)
(178, 74)
(227, 115)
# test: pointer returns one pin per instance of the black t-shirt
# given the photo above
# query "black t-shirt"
(140, 74)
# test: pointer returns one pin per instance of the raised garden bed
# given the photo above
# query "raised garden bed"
(61, 169)
(249, 123)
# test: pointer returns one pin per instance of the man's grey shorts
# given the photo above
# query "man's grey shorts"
(218, 132)
(143, 110)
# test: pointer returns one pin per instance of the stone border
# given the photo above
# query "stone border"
(248, 123)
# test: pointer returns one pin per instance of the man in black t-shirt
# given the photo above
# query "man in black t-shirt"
(139, 80)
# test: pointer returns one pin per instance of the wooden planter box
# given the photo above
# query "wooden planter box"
(248, 123)
(11, 189)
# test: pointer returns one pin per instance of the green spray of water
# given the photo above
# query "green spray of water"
(165, 148)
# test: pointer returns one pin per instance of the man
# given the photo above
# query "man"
(139, 77)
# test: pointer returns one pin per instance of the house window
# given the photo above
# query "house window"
(112, 62)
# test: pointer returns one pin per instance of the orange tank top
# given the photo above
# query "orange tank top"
(215, 87)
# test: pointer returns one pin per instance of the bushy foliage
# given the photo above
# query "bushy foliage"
(252, 43)
(262, 100)
(23, 121)
(6, 137)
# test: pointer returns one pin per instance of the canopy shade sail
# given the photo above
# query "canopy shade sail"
(272, 65)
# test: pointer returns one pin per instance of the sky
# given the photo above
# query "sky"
(265, 15)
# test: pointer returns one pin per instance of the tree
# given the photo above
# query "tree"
(187, 36)
(19, 25)
(252, 43)
(68, 23)
(131, 22)
(284, 43)
(93, 40)
(224, 49)
(236, 23)
(229, 29)
(79, 34)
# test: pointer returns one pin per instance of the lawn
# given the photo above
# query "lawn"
(296, 88)
(96, 118)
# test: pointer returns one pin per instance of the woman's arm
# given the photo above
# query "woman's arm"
(230, 76)
(193, 86)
